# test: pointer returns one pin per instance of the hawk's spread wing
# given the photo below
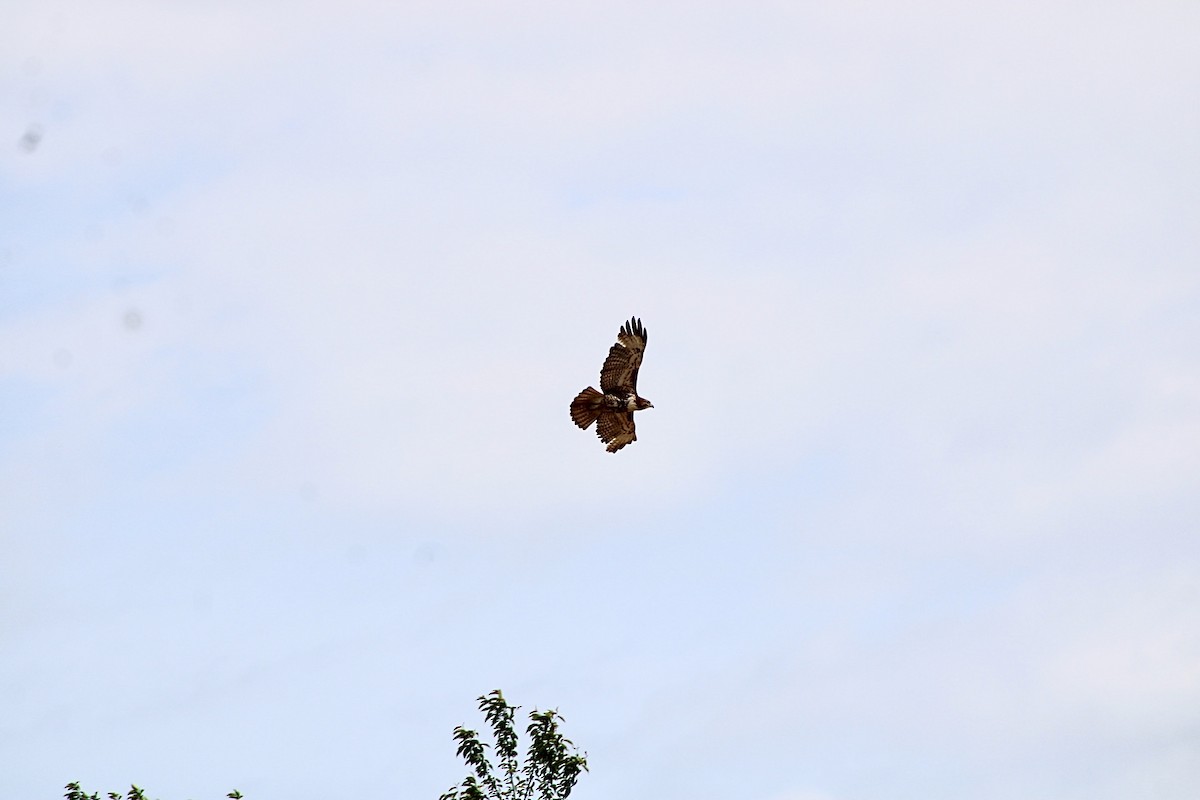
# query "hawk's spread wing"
(615, 428)
(621, 367)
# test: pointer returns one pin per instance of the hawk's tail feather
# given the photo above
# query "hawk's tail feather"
(586, 407)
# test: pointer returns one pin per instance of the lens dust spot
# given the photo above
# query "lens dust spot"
(132, 320)
(31, 139)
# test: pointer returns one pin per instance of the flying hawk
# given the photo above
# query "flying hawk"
(612, 408)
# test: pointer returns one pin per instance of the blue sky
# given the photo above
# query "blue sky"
(294, 297)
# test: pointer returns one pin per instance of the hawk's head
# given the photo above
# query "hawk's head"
(643, 404)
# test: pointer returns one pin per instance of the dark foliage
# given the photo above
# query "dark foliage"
(134, 793)
(548, 772)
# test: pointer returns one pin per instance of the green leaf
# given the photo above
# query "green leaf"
(551, 767)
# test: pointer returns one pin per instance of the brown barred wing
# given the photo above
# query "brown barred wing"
(615, 428)
(620, 369)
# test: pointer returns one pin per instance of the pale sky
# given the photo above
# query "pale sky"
(294, 298)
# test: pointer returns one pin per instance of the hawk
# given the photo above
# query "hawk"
(612, 407)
